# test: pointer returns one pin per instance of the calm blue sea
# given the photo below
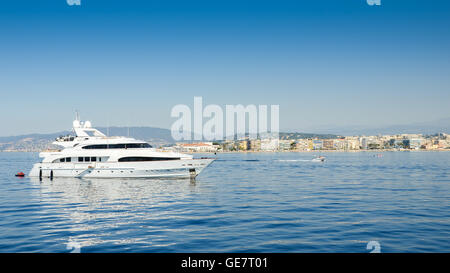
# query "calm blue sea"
(271, 202)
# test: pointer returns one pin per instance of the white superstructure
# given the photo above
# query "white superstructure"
(92, 154)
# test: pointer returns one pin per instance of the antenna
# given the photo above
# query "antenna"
(128, 127)
(77, 115)
(107, 133)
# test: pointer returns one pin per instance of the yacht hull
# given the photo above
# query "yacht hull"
(183, 168)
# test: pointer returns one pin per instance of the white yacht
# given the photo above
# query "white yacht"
(92, 154)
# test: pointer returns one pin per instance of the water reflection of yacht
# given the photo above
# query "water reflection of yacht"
(111, 212)
(92, 154)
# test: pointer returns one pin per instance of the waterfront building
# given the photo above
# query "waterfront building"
(286, 145)
(229, 145)
(328, 144)
(341, 144)
(269, 144)
(416, 143)
(203, 147)
(364, 143)
(303, 144)
(443, 144)
(244, 145)
(317, 144)
(255, 144)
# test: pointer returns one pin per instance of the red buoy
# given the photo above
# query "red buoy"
(20, 174)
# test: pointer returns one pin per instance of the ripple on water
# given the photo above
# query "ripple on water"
(279, 202)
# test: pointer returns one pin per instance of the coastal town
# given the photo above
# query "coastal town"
(285, 142)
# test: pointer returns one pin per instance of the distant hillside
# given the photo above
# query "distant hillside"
(155, 136)
(288, 136)
(430, 127)
(145, 133)
(39, 142)
(28, 143)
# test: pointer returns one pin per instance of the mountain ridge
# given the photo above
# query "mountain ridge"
(430, 127)
(154, 135)
(160, 136)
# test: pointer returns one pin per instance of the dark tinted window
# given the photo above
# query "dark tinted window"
(137, 145)
(141, 158)
(62, 160)
(93, 159)
(68, 159)
(87, 159)
(133, 145)
(118, 146)
(80, 159)
(98, 146)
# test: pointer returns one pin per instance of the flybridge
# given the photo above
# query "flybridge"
(84, 129)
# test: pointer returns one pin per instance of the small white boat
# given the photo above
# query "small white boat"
(319, 159)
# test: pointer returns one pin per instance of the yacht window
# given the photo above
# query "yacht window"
(138, 145)
(80, 159)
(132, 145)
(141, 158)
(97, 146)
(93, 159)
(62, 160)
(87, 159)
(68, 159)
(118, 146)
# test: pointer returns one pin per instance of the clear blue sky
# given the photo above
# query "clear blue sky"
(325, 62)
